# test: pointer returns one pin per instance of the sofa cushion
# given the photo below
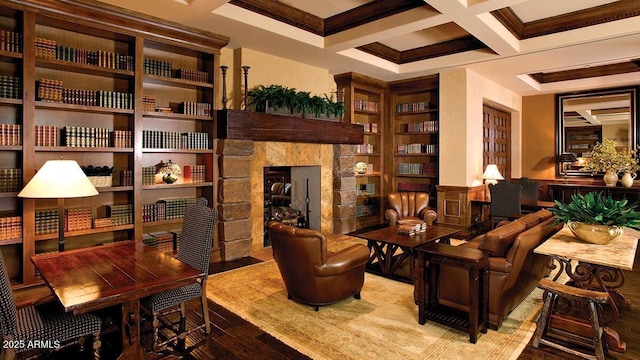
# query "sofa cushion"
(499, 240)
(530, 220)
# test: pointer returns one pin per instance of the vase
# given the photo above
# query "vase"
(594, 233)
(627, 179)
(169, 178)
(610, 178)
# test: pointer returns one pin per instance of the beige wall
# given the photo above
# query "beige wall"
(462, 95)
(539, 137)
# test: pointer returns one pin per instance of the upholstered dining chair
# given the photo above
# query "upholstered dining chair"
(30, 323)
(195, 250)
(505, 201)
(529, 189)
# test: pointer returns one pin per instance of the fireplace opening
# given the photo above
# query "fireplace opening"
(291, 196)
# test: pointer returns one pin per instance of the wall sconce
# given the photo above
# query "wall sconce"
(491, 175)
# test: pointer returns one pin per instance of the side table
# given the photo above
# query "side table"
(431, 257)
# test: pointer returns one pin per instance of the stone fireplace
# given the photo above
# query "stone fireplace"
(244, 151)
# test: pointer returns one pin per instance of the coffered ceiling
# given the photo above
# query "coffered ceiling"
(528, 46)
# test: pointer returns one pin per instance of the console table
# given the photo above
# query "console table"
(476, 263)
(563, 192)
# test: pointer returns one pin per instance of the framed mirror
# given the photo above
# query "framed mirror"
(586, 118)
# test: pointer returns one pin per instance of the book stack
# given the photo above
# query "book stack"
(416, 226)
(46, 221)
(148, 175)
(77, 219)
(102, 222)
(45, 48)
(46, 135)
(10, 134)
(121, 138)
(10, 87)
(80, 136)
(148, 102)
(149, 240)
(193, 75)
(10, 227)
(157, 67)
(193, 173)
(10, 180)
(195, 108)
(120, 214)
(10, 41)
(126, 178)
(50, 90)
(164, 241)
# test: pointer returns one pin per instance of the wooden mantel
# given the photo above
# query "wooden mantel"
(249, 125)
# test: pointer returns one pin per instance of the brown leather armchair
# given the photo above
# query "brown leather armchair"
(310, 274)
(409, 206)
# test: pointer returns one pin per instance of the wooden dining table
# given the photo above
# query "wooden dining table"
(115, 274)
(595, 267)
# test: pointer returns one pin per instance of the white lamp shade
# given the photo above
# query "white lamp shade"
(59, 179)
(492, 173)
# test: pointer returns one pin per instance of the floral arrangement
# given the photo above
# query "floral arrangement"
(169, 168)
(606, 157)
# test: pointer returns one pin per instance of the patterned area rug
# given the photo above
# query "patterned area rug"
(382, 325)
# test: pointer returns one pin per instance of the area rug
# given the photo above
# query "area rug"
(382, 325)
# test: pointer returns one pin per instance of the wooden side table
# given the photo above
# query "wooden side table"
(476, 263)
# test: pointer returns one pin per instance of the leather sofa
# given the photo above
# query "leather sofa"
(409, 206)
(310, 274)
(514, 269)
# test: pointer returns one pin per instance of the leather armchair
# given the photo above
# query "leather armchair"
(409, 206)
(312, 276)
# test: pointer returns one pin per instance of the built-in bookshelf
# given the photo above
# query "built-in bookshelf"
(580, 140)
(364, 99)
(122, 92)
(414, 128)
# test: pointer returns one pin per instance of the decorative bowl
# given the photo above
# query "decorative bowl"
(594, 233)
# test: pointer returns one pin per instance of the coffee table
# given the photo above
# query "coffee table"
(392, 253)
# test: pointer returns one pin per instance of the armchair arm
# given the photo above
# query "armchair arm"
(391, 216)
(344, 260)
(429, 216)
(500, 265)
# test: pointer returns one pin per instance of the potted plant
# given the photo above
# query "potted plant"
(596, 218)
(606, 158)
(169, 171)
(100, 176)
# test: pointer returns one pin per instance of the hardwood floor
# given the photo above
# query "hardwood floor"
(233, 338)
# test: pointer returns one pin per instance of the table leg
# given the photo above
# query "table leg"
(131, 348)
(473, 304)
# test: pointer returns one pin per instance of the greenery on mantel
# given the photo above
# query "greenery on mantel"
(301, 102)
(596, 208)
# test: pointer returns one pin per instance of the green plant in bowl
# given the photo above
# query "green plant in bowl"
(597, 218)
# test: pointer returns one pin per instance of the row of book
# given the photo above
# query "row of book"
(10, 41)
(52, 90)
(193, 75)
(417, 148)
(10, 87)
(10, 134)
(157, 67)
(48, 48)
(424, 126)
(77, 219)
(366, 105)
(120, 214)
(82, 136)
(366, 189)
(148, 102)
(163, 241)
(126, 177)
(427, 169)
(363, 149)
(194, 173)
(165, 209)
(148, 175)
(46, 135)
(10, 227)
(414, 106)
(369, 127)
(157, 139)
(195, 108)
(10, 180)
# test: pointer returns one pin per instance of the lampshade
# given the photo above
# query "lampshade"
(492, 173)
(59, 179)
(566, 157)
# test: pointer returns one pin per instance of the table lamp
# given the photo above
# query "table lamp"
(59, 179)
(564, 159)
(491, 175)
